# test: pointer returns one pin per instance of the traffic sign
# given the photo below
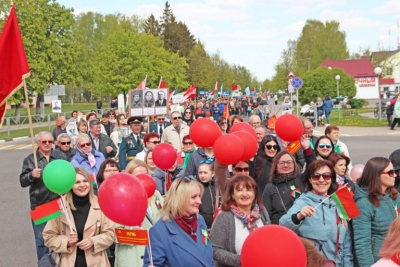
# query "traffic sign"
(297, 82)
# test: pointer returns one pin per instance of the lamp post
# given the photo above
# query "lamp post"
(337, 77)
(378, 72)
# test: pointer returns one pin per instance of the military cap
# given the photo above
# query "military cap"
(133, 120)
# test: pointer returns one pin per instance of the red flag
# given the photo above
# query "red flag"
(190, 92)
(170, 97)
(162, 84)
(13, 63)
(142, 85)
(235, 87)
(345, 203)
(226, 111)
(47, 211)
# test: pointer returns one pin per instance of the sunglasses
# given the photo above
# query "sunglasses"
(187, 143)
(124, 124)
(161, 119)
(65, 143)
(206, 161)
(391, 173)
(155, 142)
(240, 169)
(325, 145)
(222, 123)
(177, 118)
(269, 147)
(186, 179)
(85, 144)
(188, 112)
(46, 142)
(326, 176)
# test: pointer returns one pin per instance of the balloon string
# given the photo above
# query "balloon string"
(66, 214)
(149, 249)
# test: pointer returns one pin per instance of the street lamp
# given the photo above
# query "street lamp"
(378, 72)
(337, 77)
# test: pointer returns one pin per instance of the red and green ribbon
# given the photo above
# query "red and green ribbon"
(295, 191)
(204, 238)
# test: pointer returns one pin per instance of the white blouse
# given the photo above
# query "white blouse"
(241, 233)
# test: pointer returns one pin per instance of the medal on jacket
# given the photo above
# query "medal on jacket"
(294, 191)
(97, 229)
(158, 203)
(396, 210)
(204, 237)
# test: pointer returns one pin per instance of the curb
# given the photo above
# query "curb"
(13, 139)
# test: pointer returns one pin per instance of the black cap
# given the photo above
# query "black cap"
(395, 159)
(105, 115)
(133, 120)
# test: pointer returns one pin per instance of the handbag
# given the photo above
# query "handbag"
(51, 259)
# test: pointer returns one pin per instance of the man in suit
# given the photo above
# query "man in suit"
(159, 125)
(101, 142)
(161, 101)
(132, 143)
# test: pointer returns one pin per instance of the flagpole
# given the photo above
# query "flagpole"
(159, 84)
(30, 123)
(66, 215)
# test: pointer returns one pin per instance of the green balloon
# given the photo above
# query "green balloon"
(59, 176)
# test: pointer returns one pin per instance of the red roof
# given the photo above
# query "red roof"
(386, 81)
(353, 67)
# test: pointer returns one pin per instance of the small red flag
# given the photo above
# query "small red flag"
(142, 85)
(139, 237)
(190, 92)
(13, 63)
(47, 211)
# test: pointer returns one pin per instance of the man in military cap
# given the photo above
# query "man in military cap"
(132, 143)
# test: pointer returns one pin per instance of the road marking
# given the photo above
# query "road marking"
(23, 147)
(5, 147)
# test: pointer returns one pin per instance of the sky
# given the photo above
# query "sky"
(253, 33)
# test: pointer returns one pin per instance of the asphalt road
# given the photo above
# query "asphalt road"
(16, 234)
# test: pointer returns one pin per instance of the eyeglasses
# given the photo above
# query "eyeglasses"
(289, 163)
(186, 179)
(187, 143)
(85, 144)
(161, 119)
(155, 142)
(177, 118)
(46, 142)
(188, 112)
(326, 176)
(325, 145)
(269, 147)
(65, 143)
(391, 173)
(240, 169)
(111, 170)
(222, 123)
(124, 124)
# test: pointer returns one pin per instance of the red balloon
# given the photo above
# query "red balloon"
(123, 199)
(287, 249)
(228, 149)
(243, 126)
(148, 183)
(164, 156)
(249, 143)
(204, 132)
(289, 128)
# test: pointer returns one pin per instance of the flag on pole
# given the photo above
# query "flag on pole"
(13, 63)
(93, 180)
(162, 84)
(170, 97)
(47, 211)
(159, 84)
(190, 92)
(226, 111)
(142, 85)
(235, 87)
(345, 202)
(221, 90)
(247, 90)
(211, 95)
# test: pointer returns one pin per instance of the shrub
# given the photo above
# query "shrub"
(361, 102)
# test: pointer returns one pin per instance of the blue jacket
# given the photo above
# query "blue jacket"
(370, 228)
(159, 178)
(322, 229)
(215, 112)
(172, 247)
(79, 161)
(328, 105)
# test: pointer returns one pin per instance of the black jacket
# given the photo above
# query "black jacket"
(68, 154)
(208, 201)
(38, 192)
(277, 196)
(265, 177)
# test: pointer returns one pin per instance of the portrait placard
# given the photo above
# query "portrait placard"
(148, 102)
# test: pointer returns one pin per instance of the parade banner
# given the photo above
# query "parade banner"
(148, 102)
(138, 237)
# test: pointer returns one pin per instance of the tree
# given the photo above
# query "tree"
(201, 69)
(321, 82)
(152, 26)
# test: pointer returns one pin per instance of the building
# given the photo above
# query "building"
(362, 70)
(390, 62)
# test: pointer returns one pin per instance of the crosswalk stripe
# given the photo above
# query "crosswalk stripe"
(23, 147)
(5, 147)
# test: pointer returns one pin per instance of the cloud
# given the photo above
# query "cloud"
(84, 10)
(389, 8)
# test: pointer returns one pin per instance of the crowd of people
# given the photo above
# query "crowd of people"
(202, 210)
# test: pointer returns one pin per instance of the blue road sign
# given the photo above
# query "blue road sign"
(297, 82)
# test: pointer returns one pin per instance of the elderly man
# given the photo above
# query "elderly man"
(161, 101)
(132, 143)
(101, 142)
(32, 177)
(64, 145)
(261, 131)
(61, 128)
(159, 125)
(174, 133)
(254, 121)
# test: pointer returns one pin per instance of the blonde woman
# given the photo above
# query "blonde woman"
(180, 238)
(92, 231)
(131, 255)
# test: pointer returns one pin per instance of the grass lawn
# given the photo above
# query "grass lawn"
(355, 118)
(23, 132)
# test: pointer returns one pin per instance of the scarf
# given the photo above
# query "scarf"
(248, 219)
(188, 225)
(336, 148)
(186, 159)
(284, 175)
(89, 156)
(395, 259)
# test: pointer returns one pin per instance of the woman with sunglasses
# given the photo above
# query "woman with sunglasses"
(188, 117)
(267, 150)
(223, 125)
(242, 212)
(112, 117)
(188, 149)
(284, 186)
(315, 216)
(323, 148)
(86, 157)
(378, 201)
(92, 231)
(132, 255)
(341, 164)
(180, 237)
(150, 140)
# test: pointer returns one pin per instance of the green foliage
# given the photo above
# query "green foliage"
(152, 26)
(201, 70)
(322, 82)
(361, 103)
